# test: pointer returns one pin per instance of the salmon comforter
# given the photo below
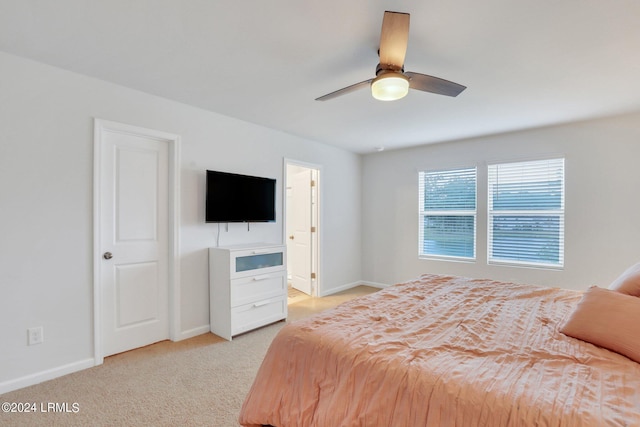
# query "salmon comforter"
(443, 351)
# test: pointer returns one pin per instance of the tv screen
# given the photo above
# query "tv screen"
(239, 198)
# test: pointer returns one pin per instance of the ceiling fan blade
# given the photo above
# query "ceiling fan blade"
(344, 90)
(393, 40)
(432, 84)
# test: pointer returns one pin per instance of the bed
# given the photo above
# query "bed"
(443, 351)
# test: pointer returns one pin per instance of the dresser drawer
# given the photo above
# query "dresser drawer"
(256, 262)
(257, 287)
(251, 316)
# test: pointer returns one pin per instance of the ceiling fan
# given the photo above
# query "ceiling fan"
(391, 81)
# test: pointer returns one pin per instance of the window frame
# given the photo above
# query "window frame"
(560, 213)
(422, 214)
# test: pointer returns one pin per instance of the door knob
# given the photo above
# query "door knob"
(107, 255)
(291, 237)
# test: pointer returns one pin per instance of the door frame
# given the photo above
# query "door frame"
(101, 126)
(316, 245)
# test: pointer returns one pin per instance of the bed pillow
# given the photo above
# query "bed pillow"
(628, 282)
(607, 319)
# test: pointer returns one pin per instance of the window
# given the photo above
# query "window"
(447, 215)
(526, 213)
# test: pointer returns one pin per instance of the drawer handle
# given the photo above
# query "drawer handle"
(260, 304)
(258, 278)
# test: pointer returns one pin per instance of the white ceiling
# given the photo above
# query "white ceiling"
(526, 63)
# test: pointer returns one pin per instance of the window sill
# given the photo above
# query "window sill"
(447, 258)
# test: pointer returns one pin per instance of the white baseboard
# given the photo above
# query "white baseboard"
(193, 332)
(38, 377)
(375, 284)
(339, 289)
(353, 285)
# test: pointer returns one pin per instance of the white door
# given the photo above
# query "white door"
(134, 238)
(300, 237)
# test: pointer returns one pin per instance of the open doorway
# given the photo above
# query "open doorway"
(302, 228)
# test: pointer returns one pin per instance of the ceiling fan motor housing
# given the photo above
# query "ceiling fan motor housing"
(388, 68)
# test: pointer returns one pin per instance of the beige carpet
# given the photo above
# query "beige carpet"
(197, 382)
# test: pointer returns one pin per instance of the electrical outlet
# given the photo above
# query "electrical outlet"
(35, 335)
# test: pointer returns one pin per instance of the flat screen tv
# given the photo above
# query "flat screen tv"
(239, 198)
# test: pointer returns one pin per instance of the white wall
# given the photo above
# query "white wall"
(602, 234)
(46, 172)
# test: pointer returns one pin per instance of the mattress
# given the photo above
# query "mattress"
(443, 351)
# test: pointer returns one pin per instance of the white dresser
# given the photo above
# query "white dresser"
(247, 287)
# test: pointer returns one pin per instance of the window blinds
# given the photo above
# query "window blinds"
(526, 213)
(447, 213)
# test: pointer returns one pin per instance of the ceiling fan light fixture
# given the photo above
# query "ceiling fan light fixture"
(390, 86)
